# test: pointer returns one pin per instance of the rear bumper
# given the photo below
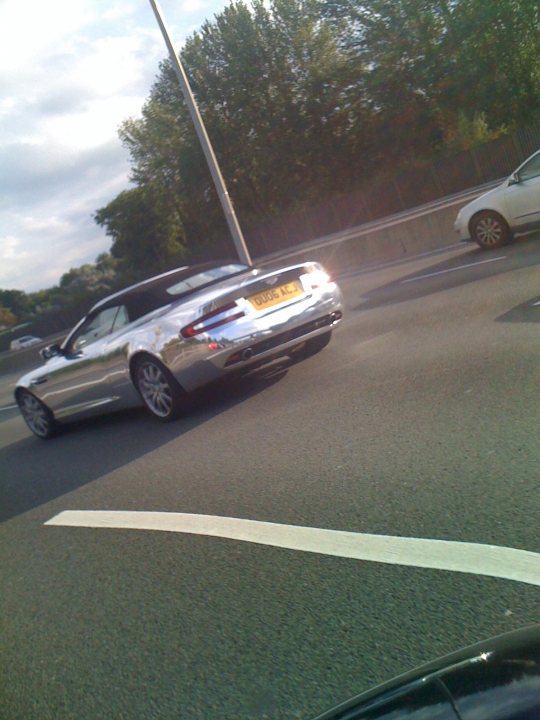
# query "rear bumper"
(244, 344)
(280, 342)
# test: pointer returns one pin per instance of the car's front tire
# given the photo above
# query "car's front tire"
(160, 392)
(37, 415)
(490, 230)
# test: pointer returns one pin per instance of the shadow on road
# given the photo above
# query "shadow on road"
(527, 312)
(452, 273)
(35, 472)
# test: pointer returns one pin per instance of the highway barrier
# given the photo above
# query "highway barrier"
(405, 234)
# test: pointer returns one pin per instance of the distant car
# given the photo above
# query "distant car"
(160, 339)
(513, 207)
(24, 342)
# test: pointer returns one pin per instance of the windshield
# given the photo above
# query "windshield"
(272, 437)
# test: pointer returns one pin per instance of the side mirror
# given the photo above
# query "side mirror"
(514, 179)
(50, 351)
(496, 678)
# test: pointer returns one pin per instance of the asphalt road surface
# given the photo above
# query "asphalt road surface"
(420, 420)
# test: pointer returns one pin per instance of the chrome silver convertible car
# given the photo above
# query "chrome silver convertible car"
(166, 336)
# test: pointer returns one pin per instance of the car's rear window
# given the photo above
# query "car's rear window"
(154, 295)
(206, 277)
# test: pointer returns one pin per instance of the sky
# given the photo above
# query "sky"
(70, 72)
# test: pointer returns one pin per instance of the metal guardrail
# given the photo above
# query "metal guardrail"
(382, 223)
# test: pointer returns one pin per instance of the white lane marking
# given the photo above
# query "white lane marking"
(8, 407)
(491, 560)
(459, 267)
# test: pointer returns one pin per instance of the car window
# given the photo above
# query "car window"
(530, 169)
(204, 278)
(98, 326)
(121, 319)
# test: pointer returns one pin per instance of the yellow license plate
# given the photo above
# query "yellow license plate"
(275, 296)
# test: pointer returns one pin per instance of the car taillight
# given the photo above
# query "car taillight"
(220, 316)
(317, 278)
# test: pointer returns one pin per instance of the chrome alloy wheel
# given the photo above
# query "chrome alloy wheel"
(36, 415)
(489, 231)
(155, 389)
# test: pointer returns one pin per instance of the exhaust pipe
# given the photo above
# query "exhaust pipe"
(247, 353)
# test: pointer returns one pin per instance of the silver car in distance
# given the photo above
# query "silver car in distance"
(169, 335)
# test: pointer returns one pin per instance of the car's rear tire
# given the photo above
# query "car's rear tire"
(160, 392)
(316, 344)
(37, 415)
(490, 230)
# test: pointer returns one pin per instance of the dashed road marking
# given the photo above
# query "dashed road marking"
(449, 270)
(477, 559)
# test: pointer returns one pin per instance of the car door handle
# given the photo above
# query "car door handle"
(39, 381)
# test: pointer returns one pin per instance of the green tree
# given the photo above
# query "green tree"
(470, 132)
(15, 300)
(146, 230)
(304, 99)
(427, 66)
(495, 49)
(7, 318)
(92, 277)
(270, 85)
(268, 80)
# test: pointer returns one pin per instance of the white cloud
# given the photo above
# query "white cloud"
(117, 11)
(29, 28)
(92, 126)
(192, 6)
(8, 249)
(55, 225)
(12, 258)
(50, 247)
(80, 96)
(71, 71)
(107, 65)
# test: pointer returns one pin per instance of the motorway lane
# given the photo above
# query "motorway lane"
(420, 419)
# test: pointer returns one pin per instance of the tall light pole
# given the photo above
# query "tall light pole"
(226, 204)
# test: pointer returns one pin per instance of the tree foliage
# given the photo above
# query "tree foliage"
(79, 288)
(7, 318)
(145, 227)
(304, 99)
(91, 277)
(269, 85)
(430, 63)
(16, 301)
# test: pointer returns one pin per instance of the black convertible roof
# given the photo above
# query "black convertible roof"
(148, 295)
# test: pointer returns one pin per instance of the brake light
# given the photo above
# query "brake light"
(317, 278)
(221, 316)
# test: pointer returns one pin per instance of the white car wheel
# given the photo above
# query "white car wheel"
(490, 230)
(159, 391)
(37, 415)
